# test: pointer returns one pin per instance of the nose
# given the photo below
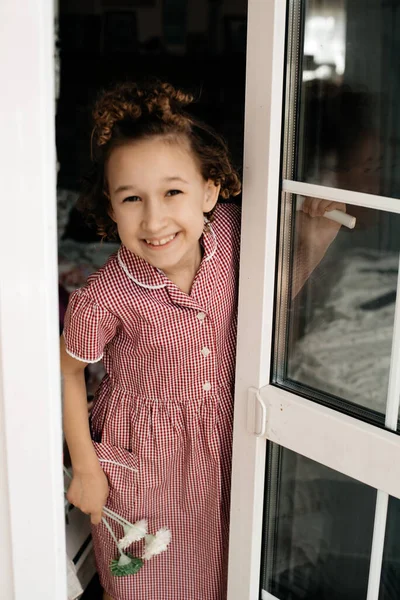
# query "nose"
(154, 216)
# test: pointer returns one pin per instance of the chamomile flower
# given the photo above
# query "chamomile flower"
(133, 533)
(155, 544)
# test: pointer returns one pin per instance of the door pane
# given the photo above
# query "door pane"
(349, 84)
(318, 528)
(334, 336)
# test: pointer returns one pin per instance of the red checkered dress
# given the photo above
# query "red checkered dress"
(162, 419)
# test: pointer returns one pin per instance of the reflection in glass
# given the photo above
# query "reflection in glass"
(390, 579)
(318, 528)
(339, 328)
(349, 124)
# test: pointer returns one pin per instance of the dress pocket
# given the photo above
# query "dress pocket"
(121, 468)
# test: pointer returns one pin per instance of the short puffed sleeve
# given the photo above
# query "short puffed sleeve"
(88, 327)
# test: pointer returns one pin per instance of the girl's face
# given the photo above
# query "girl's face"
(158, 199)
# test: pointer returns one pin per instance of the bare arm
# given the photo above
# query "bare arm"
(314, 235)
(89, 488)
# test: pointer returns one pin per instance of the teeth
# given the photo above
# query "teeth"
(161, 242)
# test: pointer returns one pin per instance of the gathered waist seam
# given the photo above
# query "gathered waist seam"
(111, 385)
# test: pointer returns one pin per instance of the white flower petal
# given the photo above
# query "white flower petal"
(124, 560)
(133, 534)
(155, 544)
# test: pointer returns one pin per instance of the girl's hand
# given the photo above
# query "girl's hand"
(314, 235)
(314, 207)
(313, 228)
(89, 492)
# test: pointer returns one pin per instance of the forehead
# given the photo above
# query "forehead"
(155, 158)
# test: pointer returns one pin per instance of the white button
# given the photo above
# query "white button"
(205, 351)
(207, 386)
(201, 316)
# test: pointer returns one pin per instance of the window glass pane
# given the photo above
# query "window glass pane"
(347, 95)
(334, 336)
(318, 527)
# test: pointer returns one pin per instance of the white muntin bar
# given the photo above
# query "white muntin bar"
(382, 203)
(378, 543)
(391, 419)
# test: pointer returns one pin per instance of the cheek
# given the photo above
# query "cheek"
(125, 214)
(113, 211)
(197, 225)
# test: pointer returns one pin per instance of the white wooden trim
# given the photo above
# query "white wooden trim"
(343, 443)
(382, 203)
(264, 92)
(28, 303)
(6, 578)
(378, 544)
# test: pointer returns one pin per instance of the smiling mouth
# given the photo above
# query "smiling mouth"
(161, 242)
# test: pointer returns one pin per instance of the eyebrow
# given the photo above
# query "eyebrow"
(123, 188)
(126, 188)
(175, 178)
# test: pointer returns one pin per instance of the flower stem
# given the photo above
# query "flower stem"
(104, 520)
(116, 517)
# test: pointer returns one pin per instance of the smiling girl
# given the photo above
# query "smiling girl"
(161, 315)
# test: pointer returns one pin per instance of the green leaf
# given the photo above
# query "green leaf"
(134, 566)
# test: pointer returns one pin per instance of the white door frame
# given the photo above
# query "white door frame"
(33, 563)
(261, 179)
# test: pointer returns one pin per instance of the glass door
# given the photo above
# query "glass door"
(316, 470)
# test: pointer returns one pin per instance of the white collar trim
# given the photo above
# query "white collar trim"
(144, 285)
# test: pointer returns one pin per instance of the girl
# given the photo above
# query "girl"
(161, 315)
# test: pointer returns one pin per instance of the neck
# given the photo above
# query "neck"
(183, 276)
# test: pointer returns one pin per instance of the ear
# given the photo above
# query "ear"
(210, 196)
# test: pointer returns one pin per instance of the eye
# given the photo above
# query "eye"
(174, 192)
(131, 199)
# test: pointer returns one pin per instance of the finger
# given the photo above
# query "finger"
(317, 207)
(305, 207)
(95, 517)
(72, 499)
(335, 206)
(327, 205)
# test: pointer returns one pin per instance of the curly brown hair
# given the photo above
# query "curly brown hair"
(132, 111)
